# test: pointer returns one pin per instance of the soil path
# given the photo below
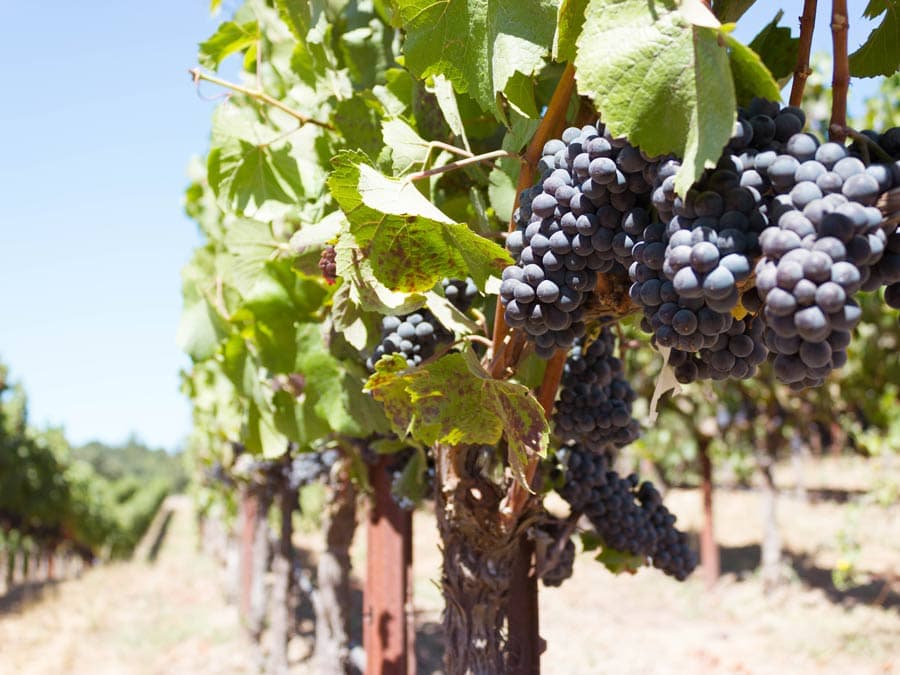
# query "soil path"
(132, 618)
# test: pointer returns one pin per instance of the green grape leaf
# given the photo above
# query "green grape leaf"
(348, 317)
(262, 437)
(408, 149)
(750, 75)
(777, 49)
(518, 136)
(248, 175)
(502, 187)
(330, 397)
(451, 318)
(569, 20)
(729, 11)
(520, 94)
(296, 15)
(357, 119)
(200, 330)
(228, 39)
(409, 242)
(410, 484)
(250, 245)
(618, 562)
(454, 401)
(479, 46)
(880, 54)
(659, 78)
(364, 55)
(446, 99)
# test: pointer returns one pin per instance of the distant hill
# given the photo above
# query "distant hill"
(133, 459)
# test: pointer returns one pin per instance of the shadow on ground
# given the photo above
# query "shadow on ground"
(744, 560)
(22, 595)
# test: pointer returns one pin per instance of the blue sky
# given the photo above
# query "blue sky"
(98, 123)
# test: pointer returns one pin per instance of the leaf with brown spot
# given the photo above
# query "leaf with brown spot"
(409, 242)
(454, 401)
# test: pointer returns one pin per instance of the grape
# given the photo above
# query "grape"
(416, 337)
(306, 468)
(862, 188)
(892, 295)
(328, 265)
(563, 558)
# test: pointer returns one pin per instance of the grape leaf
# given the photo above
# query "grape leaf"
(262, 436)
(750, 75)
(659, 79)
(409, 242)
(200, 330)
(250, 245)
(569, 20)
(618, 562)
(446, 99)
(228, 39)
(357, 120)
(502, 187)
(201, 326)
(454, 401)
(411, 484)
(880, 54)
(729, 11)
(348, 317)
(247, 174)
(777, 49)
(479, 46)
(297, 15)
(408, 149)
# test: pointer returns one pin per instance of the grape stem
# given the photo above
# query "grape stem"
(472, 337)
(459, 164)
(198, 76)
(802, 71)
(864, 141)
(840, 80)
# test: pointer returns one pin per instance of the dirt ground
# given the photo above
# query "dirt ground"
(167, 617)
(170, 616)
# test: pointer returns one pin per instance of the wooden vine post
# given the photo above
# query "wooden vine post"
(248, 507)
(525, 644)
(709, 551)
(388, 626)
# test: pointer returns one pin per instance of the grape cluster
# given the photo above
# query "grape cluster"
(563, 559)
(583, 216)
(306, 468)
(736, 353)
(776, 193)
(827, 240)
(594, 406)
(628, 515)
(687, 269)
(415, 336)
(328, 265)
(460, 292)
